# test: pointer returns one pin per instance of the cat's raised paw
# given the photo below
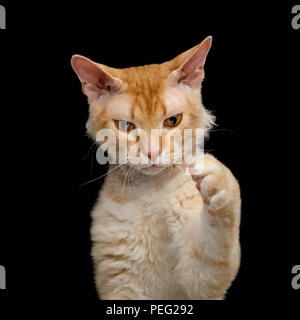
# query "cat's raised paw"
(212, 186)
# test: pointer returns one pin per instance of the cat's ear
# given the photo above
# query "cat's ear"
(191, 70)
(94, 79)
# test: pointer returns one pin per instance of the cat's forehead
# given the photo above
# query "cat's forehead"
(144, 81)
(148, 93)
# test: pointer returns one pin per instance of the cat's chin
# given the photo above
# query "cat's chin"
(152, 170)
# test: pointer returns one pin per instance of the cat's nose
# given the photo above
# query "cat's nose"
(153, 155)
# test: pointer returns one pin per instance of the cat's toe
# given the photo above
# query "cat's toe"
(218, 201)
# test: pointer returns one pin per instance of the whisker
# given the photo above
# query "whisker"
(227, 130)
(125, 180)
(101, 176)
(92, 146)
(131, 178)
(92, 163)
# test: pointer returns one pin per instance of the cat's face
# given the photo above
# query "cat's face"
(131, 102)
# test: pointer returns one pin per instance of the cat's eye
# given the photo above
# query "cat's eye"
(124, 125)
(173, 121)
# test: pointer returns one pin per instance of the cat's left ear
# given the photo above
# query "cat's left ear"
(95, 80)
(191, 71)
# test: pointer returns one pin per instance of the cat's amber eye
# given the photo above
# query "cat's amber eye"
(173, 121)
(124, 125)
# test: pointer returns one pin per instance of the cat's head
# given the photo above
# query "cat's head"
(132, 101)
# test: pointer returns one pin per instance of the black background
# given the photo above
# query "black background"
(251, 84)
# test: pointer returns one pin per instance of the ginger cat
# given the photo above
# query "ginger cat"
(157, 232)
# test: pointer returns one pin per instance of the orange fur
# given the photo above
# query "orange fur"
(156, 236)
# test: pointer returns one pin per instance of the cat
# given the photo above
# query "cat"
(157, 232)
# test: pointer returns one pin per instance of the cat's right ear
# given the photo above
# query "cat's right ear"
(191, 69)
(94, 79)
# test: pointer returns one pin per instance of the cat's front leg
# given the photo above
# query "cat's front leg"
(123, 294)
(212, 256)
(114, 275)
(117, 285)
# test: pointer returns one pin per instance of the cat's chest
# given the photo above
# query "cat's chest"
(179, 199)
(149, 210)
(152, 235)
(143, 229)
(152, 217)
